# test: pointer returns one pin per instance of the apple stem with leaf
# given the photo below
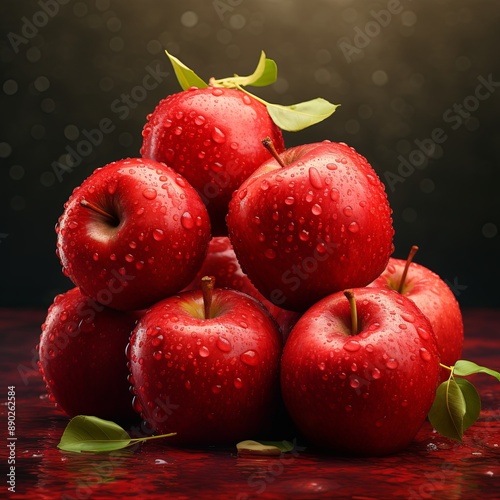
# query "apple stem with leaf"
(354, 311)
(95, 208)
(207, 288)
(411, 254)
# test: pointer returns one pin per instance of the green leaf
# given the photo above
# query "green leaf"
(93, 434)
(265, 73)
(86, 433)
(299, 116)
(472, 402)
(266, 448)
(268, 76)
(186, 77)
(456, 407)
(464, 368)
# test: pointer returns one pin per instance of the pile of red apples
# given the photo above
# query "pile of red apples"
(221, 277)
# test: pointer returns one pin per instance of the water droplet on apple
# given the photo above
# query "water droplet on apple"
(348, 211)
(352, 346)
(218, 136)
(238, 383)
(316, 209)
(200, 120)
(187, 385)
(331, 166)
(179, 114)
(425, 354)
(392, 364)
(423, 334)
(348, 408)
(408, 317)
(136, 405)
(157, 355)
(289, 200)
(376, 374)
(223, 344)
(95, 256)
(129, 257)
(304, 235)
(243, 324)
(247, 99)
(203, 351)
(180, 181)
(216, 389)
(187, 220)
(250, 358)
(315, 178)
(140, 211)
(177, 130)
(217, 92)
(321, 366)
(264, 185)
(270, 253)
(158, 234)
(242, 193)
(149, 193)
(353, 227)
(354, 383)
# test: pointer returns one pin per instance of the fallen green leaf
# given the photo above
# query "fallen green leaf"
(93, 434)
(263, 448)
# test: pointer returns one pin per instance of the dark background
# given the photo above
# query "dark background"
(399, 77)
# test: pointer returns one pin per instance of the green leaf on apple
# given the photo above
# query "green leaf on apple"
(456, 407)
(464, 368)
(263, 448)
(291, 118)
(85, 433)
(265, 73)
(302, 115)
(187, 77)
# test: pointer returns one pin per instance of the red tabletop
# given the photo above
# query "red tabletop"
(432, 467)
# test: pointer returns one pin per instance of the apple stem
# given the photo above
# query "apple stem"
(269, 145)
(95, 208)
(354, 311)
(207, 288)
(411, 254)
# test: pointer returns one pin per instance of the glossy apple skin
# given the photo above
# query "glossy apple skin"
(319, 225)
(82, 357)
(222, 264)
(212, 137)
(212, 381)
(365, 394)
(436, 300)
(156, 249)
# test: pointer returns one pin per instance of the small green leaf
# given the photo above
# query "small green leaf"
(93, 434)
(250, 447)
(299, 116)
(186, 77)
(86, 433)
(456, 407)
(268, 76)
(464, 368)
(265, 73)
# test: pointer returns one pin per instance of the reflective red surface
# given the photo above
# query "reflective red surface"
(432, 467)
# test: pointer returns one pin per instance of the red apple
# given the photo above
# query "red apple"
(311, 222)
(133, 233)
(82, 357)
(364, 388)
(206, 368)
(221, 262)
(212, 137)
(434, 298)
